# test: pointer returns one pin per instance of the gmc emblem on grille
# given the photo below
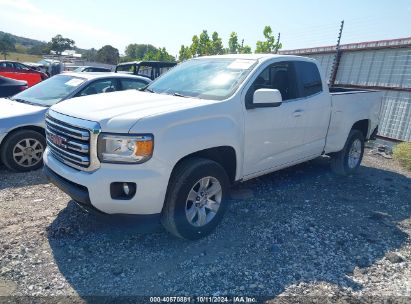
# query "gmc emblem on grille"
(58, 140)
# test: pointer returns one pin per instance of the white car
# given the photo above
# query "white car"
(174, 149)
(22, 135)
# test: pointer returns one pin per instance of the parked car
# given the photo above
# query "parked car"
(50, 66)
(19, 71)
(22, 137)
(150, 69)
(91, 69)
(173, 150)
(10, 87)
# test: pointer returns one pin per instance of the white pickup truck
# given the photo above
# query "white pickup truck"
(174, 149)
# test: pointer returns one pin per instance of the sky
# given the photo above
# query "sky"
(171, 23)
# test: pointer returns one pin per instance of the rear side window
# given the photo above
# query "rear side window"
(127, 84)
(6, 65)
(309, 78)
(146, 71)
(99, 86)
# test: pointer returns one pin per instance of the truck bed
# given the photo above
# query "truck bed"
(347, 107)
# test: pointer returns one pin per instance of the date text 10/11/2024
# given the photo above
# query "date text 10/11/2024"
(203, 299)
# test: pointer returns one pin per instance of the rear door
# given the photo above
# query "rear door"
(316, 107)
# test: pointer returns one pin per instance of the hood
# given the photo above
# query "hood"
(10, 108)
(14, 114)
(119, 111)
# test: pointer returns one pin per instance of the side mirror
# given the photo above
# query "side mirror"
(267, 98)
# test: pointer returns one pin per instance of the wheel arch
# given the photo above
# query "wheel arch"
(226, 156)
(362, 126)
(37, 129)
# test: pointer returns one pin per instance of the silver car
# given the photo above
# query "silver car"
(22, 138)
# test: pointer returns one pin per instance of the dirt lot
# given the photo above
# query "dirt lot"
(301, 231)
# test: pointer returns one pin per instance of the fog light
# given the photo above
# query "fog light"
(122, 190)
(126, 189)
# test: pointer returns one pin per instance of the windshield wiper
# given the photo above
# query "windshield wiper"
(22, 100)
(144, 89)
(179, 95)
(27, 102)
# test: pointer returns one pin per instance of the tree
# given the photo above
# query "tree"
(160, 54)
(90, 55)
(217, 47)
(39, 49)
(135, 51)
(244, 49)
(269, 45)
(204, 44)
(59, 44)
(194, 48)
(108, 54)
(233, 45)
(185, 53)
(6, 45)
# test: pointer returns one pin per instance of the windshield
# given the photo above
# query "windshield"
(50, 91)
(208, 78)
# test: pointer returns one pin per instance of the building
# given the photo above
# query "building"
(381, 65)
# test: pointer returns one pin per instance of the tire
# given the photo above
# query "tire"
(187, 176)
(15, 154)
(344, 163)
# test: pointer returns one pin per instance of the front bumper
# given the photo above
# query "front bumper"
(92, 189)
(75, 191)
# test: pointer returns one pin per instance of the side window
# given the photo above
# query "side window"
(280, 76)
(99, 86)
(127, 84)
(146, 71)
(20, 67)
(6, 65)
(309, 78)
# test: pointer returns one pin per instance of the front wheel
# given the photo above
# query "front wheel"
(348, 160)
(196, 199)
(23, 151)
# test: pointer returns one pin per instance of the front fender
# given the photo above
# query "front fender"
(181, 133)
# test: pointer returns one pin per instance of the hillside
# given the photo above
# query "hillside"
(26, 42)
(23, 57)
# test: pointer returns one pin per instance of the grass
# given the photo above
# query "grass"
(22, 57)
(402, 153)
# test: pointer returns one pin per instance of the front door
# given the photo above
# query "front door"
(274, 135)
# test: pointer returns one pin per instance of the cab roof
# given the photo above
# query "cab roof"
(96, 75)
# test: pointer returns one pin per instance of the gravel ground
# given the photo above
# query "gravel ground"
(298, 232)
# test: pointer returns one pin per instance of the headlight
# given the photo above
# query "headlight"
(125, 148)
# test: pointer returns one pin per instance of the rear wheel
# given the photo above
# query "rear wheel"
(196, 199)
(348, 160)
(23, 151)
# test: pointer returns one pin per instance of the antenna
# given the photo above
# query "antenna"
(278, 43)
(337, 57)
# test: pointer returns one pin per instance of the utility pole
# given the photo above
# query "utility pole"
(278, 42)
(337, 57)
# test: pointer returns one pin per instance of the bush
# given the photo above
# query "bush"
(402, 153)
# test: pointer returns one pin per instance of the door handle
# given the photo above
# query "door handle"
(298, 113)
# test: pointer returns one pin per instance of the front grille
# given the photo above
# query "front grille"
(72, 144)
